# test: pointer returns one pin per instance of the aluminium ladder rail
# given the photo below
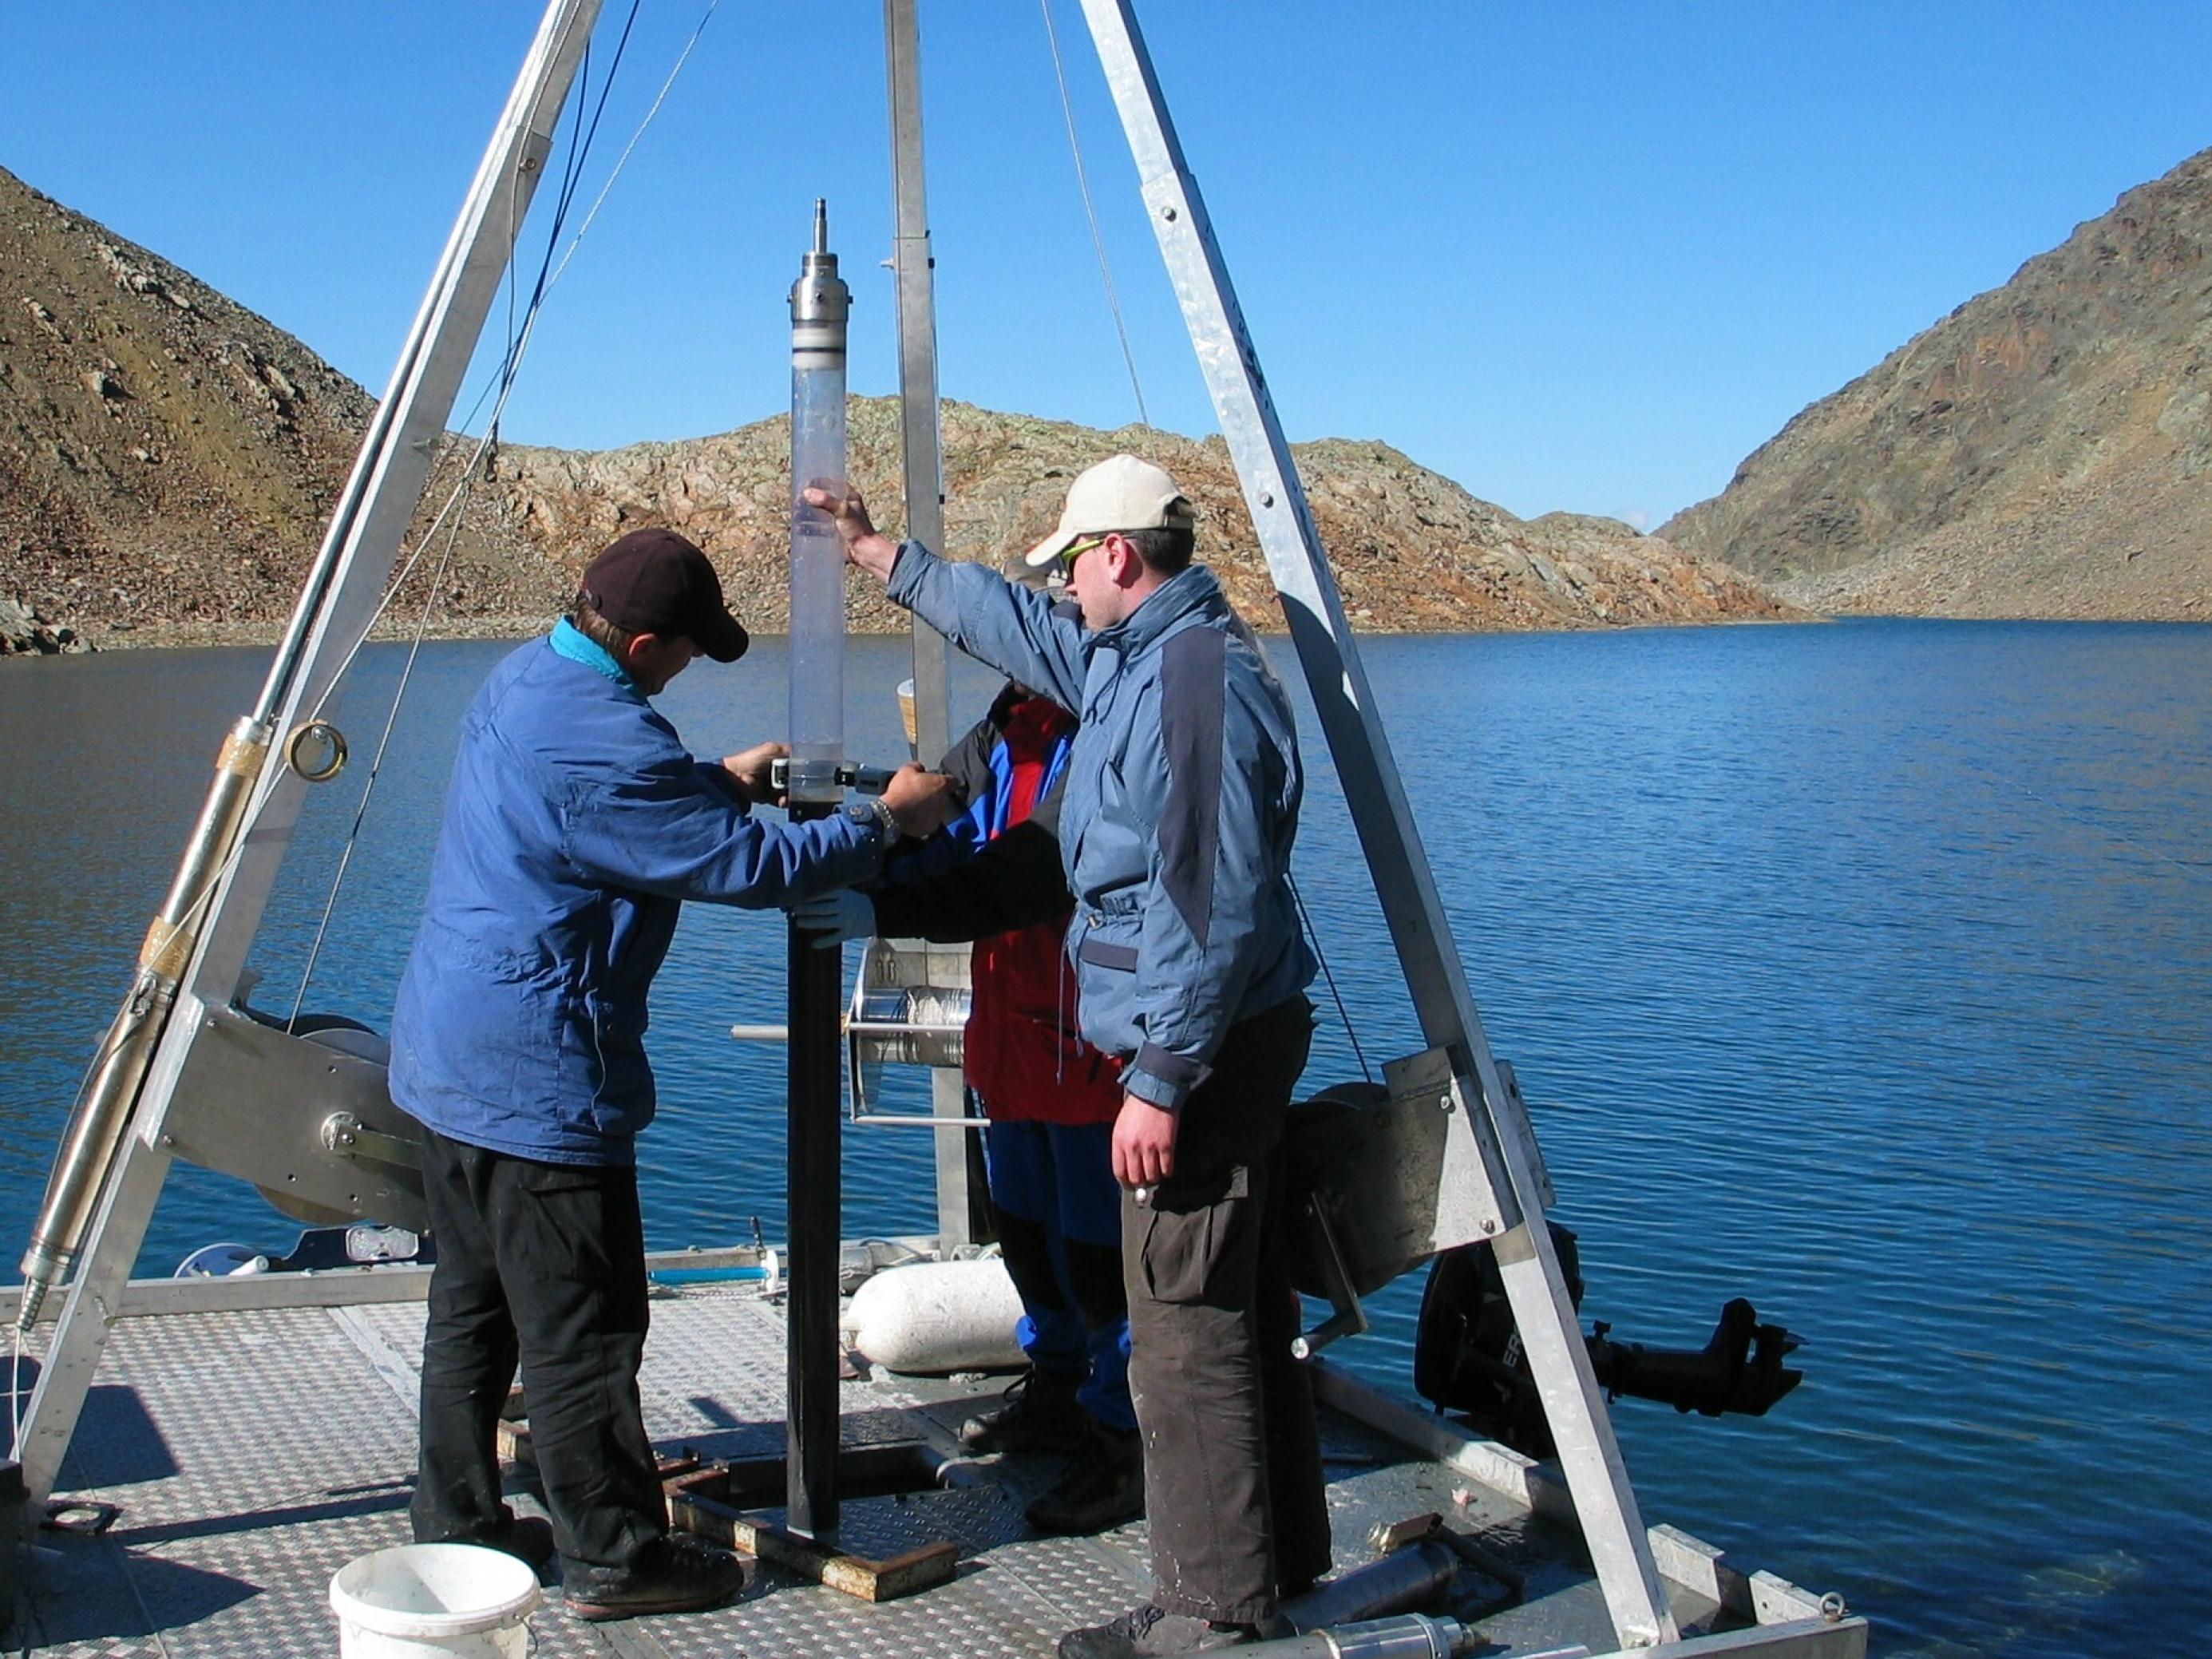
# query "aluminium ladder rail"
(334, 609)
(913, 273)
(1494, 1162)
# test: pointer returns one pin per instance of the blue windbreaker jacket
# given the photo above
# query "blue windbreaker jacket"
(1182, 802)
(575, 824)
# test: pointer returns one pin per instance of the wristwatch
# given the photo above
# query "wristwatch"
(874, 809)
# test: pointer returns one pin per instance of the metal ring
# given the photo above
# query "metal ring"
(317, 751)
(1833, 1607)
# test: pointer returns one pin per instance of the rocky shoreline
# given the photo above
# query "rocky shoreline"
(45, 639)
(26, 631)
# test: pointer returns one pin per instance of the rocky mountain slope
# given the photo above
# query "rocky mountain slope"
(2044, 451)
(168, 459)
(1413, 551)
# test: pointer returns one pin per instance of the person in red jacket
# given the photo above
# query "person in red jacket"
(994, 876)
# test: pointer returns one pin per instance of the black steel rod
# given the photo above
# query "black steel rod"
(815, 1210)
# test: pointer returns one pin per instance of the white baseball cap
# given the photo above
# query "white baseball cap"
(1120, 493)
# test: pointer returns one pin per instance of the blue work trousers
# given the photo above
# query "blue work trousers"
(1060, 1231)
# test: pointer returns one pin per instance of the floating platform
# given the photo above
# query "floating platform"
(255, 1434)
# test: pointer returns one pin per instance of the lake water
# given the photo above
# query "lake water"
(1863, 970)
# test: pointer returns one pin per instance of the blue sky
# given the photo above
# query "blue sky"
(1582, 255)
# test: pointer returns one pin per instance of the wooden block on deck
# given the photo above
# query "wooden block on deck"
(511, 1439)
(691, 1509)
(690, 1482)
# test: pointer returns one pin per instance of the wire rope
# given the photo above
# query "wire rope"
(503, 382)
(1091, 212)
(622, 161)
(1343, 1014)
(2081, 821)
(452, 509)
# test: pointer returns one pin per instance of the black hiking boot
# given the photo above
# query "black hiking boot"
(1103, 1485)
(1151, 1632)
(1039, 1415)
(675, 1573)
(527, 1538)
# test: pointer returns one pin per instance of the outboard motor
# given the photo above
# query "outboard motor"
(1467, 1355)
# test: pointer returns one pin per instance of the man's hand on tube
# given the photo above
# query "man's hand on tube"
(1144, 1143)
(829, 919)
(864, 545)
(921, 801)
(751, 768)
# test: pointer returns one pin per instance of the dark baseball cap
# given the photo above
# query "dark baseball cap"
(654, 581)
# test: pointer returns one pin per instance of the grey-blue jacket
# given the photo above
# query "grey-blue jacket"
(576, 825)
(1181, 805)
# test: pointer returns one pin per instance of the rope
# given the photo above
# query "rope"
(1089, 212)
(1320, 956)
(622, 161)
(449, 518)
(451, 512)
(2194, 872)
(376, 764)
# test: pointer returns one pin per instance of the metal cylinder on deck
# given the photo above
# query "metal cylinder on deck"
(819, 302)
(1406, 1577)
(1408, 1635)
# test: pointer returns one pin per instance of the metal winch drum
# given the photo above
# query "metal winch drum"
(909, 1007)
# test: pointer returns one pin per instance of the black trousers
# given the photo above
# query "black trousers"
(1234, 1488)
(543, 1264)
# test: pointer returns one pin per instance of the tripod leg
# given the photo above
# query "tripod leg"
(89, 1309)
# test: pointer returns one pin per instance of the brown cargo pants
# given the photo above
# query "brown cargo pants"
(1234, 1489)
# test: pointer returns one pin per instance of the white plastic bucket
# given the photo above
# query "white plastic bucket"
(434, 1602)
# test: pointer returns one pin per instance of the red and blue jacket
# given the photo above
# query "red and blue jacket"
(994, 876)
(1183, 788)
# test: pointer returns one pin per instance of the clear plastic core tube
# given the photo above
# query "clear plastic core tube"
(818, 581)
(819, 302)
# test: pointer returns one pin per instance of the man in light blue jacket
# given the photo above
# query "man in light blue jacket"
(1182, 801)
(576, 825)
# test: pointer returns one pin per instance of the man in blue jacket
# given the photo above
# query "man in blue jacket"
(1182, 800)
(576, 824)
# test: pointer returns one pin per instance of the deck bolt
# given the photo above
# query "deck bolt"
(1167, 213)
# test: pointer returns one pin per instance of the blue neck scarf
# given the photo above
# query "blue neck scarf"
(568, 640)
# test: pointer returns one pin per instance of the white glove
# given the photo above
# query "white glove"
(830, 919)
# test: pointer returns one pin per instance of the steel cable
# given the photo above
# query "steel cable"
(1320, 956)
(1089, 212)
(451, 512)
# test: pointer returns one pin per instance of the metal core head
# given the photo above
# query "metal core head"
(819, 299)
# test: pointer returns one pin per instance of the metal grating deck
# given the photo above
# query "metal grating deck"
(254, 1453)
